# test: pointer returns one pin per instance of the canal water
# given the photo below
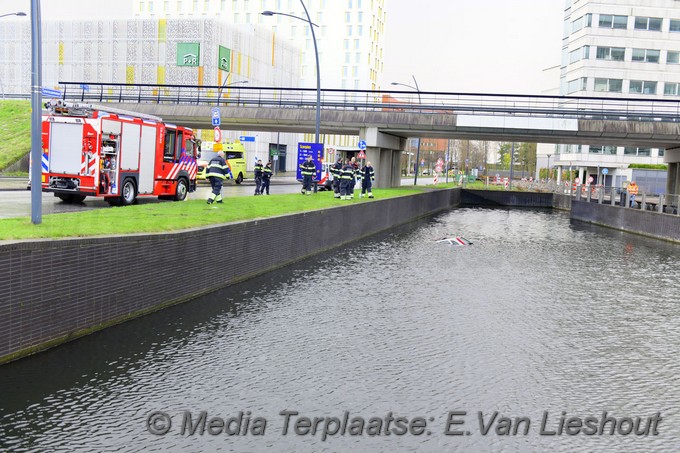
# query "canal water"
(565, 331)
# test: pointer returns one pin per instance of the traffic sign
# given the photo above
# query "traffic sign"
(215, 116)
(361, 155)
(217, 135)
(246, 138)
(590, 179)
(362, 144)
(577, 180)
(605, 171)
(438, 168)
(49, 93)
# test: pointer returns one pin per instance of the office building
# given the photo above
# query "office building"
(350, 37)
(619, 49)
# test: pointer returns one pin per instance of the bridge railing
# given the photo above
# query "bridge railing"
(567, 107)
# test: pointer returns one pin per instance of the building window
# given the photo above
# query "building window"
(360, 30)
(673, 57)
(577, 85)
(597, 149)
(357, 58)
(642, 87)
(632, 151)
(609, 21)
(348, 18)
(346, 44)
(648, 23)
(674, 25)
(360, 16)
(646, 55)
(609, 85)
(662, 151)
(581, 22)
(349, 30)
(611, 53)
(671, 89)
(582, 53)
(347, 57)
(357, 44)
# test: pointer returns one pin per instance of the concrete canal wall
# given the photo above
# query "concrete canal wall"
(52, 291)
(647, 223)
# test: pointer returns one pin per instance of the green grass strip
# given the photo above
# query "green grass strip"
(173, 216)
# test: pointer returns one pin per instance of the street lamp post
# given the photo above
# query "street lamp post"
(415, 178)
(19, 13)
(548, 178)
(36, 114)
(225, 84)
(316, 55)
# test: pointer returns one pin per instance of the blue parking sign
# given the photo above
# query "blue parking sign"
(216, 116)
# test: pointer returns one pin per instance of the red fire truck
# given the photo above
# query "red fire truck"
(114, 154)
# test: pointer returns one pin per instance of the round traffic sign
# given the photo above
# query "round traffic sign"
(577, 180)
(217, 135)
(438, 168)
(590, 179)
(605, 171)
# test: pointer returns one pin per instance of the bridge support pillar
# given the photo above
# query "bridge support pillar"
(383, 151)
(672, 158)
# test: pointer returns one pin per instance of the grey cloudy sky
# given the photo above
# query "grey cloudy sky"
(491, 46)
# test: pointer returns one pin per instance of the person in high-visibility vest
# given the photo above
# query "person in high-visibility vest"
(218, 171)
(308, 171)
(632, 191)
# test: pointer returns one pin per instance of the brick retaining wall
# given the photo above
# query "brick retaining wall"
(52, 291)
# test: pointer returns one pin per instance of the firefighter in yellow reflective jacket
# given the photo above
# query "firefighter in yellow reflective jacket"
(308, 170)
(217, 172)
(367, 176)
(346, 180)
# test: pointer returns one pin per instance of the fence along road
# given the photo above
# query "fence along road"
(500, 117)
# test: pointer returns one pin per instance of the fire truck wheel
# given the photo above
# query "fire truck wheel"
(239, 178)
(128, 193)
(71, 198)
(182, 189)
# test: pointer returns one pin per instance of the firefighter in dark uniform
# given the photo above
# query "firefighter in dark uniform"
(266, 176)
(258, 177)
(336, 170)
(218, 171)
(355, 166)
(308, 171)
(367, 176)
(346, 180)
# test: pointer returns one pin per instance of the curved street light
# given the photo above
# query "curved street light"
(415, 178)
(225, 84)
(19, 13)
(316, 54)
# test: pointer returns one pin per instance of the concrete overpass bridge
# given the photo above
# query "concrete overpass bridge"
(384, 119)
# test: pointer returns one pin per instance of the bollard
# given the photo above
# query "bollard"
(660, 207)
(612, 197)
(316, 186)
(643, 205)
(600, 195)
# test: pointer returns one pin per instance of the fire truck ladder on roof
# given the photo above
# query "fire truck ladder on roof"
(58, 106)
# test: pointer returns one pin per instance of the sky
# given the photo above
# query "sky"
(489, 46)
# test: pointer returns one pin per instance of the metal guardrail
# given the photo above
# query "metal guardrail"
(626, 109)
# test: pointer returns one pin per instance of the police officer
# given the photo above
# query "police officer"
(258, 177)
(367, 176)
(308, 171)
(346, 180)
(218, 170)
(266, 176)
(336, 171)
